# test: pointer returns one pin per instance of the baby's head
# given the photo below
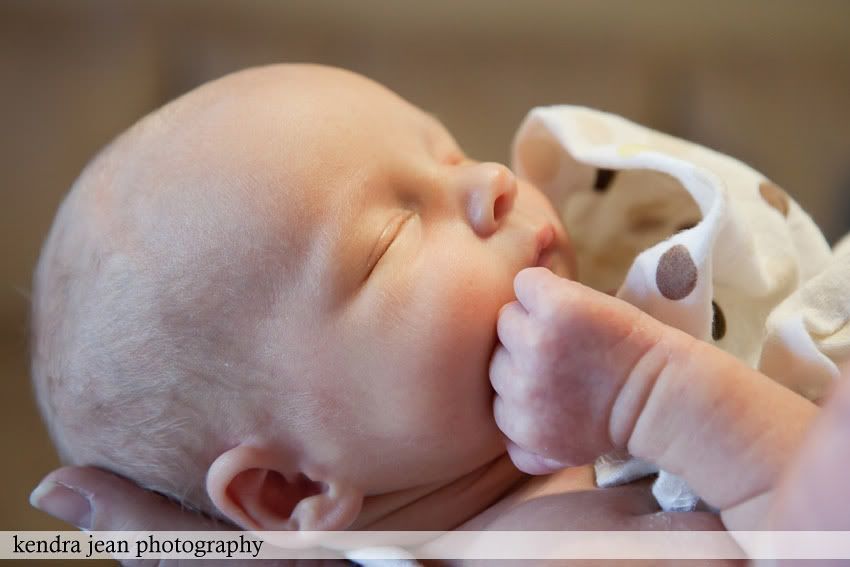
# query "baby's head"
(278, 295)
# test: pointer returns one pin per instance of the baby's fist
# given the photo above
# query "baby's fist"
(565, 352)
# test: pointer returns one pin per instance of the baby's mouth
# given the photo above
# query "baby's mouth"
(547, 244)
(550, 254)
(544, 241)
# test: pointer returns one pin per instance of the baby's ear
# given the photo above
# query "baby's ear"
(257, 490)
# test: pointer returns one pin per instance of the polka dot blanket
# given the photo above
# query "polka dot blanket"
(701, 242)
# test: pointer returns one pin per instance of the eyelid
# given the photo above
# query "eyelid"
(387, 237)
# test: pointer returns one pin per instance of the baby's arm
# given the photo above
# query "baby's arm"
(579, 373)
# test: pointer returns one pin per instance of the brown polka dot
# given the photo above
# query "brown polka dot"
(718, 322)
(774, 196)
(676, 276)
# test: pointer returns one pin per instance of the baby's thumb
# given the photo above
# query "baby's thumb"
(93, 499)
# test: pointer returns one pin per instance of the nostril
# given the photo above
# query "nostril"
(489, 189)
(501, 206)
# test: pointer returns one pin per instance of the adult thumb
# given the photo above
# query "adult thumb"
(93, 499)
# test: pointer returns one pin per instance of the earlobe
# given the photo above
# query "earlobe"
(333, 509)
(259, 490)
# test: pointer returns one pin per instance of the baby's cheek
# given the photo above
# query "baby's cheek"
(462, 297)
(472, 320)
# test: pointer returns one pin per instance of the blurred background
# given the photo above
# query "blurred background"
(767, 81)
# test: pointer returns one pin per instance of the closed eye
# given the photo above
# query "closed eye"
(385, 240)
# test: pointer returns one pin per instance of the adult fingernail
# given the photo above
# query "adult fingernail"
(63, 502)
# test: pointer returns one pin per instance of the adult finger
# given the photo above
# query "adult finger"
(96, 500)
(93, 499)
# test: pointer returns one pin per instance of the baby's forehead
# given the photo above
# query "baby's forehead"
(294, 122)
(258, 167)
(291, 140)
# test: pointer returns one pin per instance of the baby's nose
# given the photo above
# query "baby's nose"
(490, 190)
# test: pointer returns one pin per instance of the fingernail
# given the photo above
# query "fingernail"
(63, 502)
(554, 463)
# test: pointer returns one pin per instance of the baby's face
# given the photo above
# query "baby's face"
(400, 252)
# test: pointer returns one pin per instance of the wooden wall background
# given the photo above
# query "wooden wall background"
(765, 80)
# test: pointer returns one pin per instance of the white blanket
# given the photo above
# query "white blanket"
(698, 240)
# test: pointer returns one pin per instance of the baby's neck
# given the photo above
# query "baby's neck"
(442, 506)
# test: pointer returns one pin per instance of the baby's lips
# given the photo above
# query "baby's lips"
(544, 239)
(554, 252)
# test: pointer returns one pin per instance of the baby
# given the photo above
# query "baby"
(276, 300)
(287, 282)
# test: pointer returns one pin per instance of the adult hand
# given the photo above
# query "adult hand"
(96, 500)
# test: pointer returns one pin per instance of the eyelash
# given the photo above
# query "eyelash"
(393, 228)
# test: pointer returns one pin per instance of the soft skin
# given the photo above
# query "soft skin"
(410, 249)
(327, 264)
(633, 383)
(376, 257)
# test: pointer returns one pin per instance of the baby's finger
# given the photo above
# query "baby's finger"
(532, 463)
(539, 290)
(521, 425)
(514, 327)
(501, 370)
(505, 378)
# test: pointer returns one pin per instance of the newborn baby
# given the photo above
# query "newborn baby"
(286, 282)
(275, 299)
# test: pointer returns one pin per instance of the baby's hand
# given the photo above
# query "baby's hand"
(579, 373)
(565, 352)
